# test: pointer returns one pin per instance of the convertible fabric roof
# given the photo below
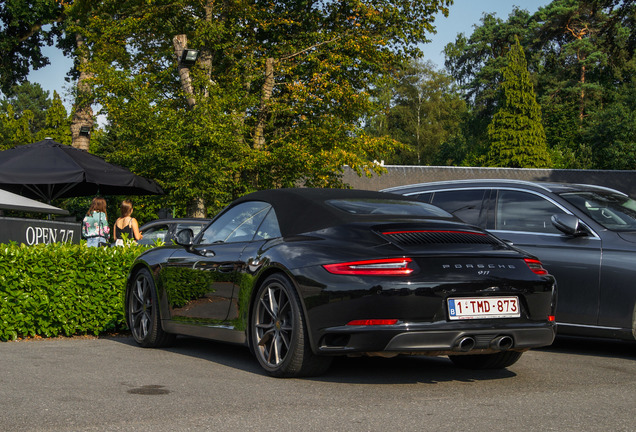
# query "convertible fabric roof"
(302, 210)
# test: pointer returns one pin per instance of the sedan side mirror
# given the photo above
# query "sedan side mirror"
(568, 224)
(185, 237)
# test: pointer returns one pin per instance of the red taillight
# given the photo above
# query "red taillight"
(551, 318)
(378, 267)
(371, 322)
(536, 266)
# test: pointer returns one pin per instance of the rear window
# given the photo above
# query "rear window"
(466, 204)
(388, 207)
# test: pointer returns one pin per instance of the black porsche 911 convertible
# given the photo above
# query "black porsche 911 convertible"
(302, 275)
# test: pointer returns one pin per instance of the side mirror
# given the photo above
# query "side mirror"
(185, 237)
(568, 224)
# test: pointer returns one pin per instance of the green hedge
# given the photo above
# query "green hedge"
(60, 289)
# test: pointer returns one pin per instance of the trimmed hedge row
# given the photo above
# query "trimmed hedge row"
(62, 289)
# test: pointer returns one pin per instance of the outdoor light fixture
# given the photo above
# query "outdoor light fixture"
(189, 57)
(85, 130)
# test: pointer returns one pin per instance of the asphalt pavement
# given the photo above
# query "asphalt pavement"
(110, 384)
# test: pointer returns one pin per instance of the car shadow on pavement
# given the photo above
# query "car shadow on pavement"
(358, 370)
(406, 370)
(236, 356)
(593, 347)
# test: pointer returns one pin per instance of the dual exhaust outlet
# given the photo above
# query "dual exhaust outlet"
(500, 343)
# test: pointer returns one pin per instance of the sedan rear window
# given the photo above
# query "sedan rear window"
(388, 207)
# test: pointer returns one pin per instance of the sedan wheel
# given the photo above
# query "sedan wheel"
(143, 313)
(278, 332)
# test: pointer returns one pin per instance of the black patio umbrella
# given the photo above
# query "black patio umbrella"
(47, 170)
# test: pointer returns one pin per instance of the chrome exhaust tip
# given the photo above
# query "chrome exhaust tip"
(465, 344)
(502, 343)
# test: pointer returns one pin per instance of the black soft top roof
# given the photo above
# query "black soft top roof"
(302, 210)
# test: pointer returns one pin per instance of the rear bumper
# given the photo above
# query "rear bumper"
(411, 340)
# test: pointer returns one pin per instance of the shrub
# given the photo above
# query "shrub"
(62, 289)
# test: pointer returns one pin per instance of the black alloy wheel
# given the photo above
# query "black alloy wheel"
(143, 313)
(278, 332)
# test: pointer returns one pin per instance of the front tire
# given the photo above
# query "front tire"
(143, 313)
(499, 360)
(279, 334)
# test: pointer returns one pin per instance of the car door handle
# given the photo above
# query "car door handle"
(226, 268)
(206, 253)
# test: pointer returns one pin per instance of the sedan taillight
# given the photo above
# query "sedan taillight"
(536, 266)
(377, 267)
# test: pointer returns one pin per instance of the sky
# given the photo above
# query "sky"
(463, 15)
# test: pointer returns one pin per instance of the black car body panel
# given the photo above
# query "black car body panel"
(208, 289)
(594, 266)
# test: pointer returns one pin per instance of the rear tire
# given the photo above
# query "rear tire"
(279, 334)
(142, 312)
(499, 360)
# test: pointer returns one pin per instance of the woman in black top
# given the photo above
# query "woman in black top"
(126, 224)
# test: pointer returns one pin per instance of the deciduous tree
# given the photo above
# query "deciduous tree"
(275, 99)
(423, 111)
(25, 28)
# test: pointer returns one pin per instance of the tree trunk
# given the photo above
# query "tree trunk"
(579, 34)
(419, 127)
(196, 208)
(582, 97)
(83, 113)
(206, 56)
(266, 95)
(180, 43)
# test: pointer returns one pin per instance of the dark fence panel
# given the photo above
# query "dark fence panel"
(397, 175)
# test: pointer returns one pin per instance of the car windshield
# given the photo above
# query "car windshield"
(388, 207)
(612, 210)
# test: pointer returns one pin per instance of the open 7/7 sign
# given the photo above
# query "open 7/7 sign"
(33, 231)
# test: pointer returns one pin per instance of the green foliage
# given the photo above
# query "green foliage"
(581, 60)
(227, 130)
(22, 37)
(476, 62)
(422, 111)
(191, 285)
(613, 131)
(57, 122)
(576, 58)
(14, 128)
(29, 116)
(29, 97)
(59, 289)
(517, 139)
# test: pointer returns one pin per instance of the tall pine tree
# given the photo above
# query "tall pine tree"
(516, 135)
